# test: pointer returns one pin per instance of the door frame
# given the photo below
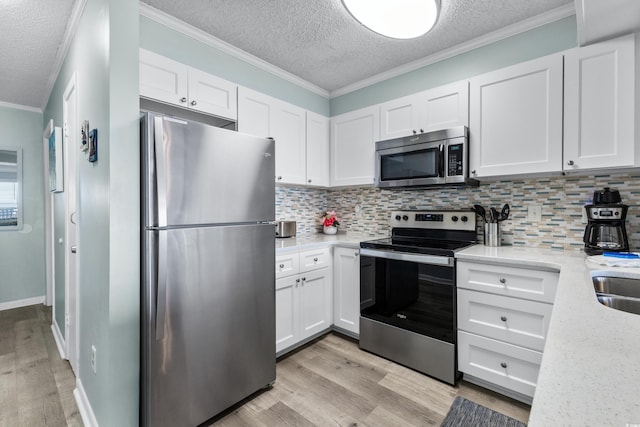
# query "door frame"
(49, 248)
(71, 148)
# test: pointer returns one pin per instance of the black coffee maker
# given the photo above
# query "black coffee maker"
(605, 230)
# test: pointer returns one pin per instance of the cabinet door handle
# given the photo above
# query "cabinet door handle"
(503, 280)
(279, 178)
(281, 265)
(473, 171)
(315, 259)
(356, 254)
(183, 99)
(570, 163)
(309, 181)
(304, 279)
(194, 103)
(503, 318)
(504, 364)
(415, 132)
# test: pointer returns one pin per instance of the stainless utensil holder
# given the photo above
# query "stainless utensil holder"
(492, 234)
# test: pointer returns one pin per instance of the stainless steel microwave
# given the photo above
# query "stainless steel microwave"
(427, 159)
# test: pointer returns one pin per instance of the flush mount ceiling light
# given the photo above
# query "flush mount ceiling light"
(398, 19)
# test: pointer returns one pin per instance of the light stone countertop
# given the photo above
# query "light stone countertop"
(311, 241)
(590, 373)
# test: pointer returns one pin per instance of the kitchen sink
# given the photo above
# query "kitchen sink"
(620, 293)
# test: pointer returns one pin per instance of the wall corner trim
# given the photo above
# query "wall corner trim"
(206, 38)
(86, 411)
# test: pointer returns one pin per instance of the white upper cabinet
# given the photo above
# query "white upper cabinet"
(317, 150)
(445, 107)
(168, 81)
(353, 137)
(439, 108)
(255, 113)
(262, 115)
(399, 117)
(163, 79)
(515, 123)
(599, 107)
(290, 134)
(212, 95)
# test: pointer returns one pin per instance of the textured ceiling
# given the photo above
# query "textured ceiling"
(31, 32)
(321, 43)
(316, 40)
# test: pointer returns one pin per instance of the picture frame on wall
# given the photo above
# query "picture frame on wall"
(56, 167)
(93, 145)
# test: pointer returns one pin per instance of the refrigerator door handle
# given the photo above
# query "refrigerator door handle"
(161, 181)
(161, 290)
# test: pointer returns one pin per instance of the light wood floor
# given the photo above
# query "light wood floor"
(36, 385)
(330, 382)
(333, 383)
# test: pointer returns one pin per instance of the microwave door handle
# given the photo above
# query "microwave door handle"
(441, 161)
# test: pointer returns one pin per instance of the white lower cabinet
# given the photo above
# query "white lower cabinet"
(503, 319)
(303, 296)
(346, 289)
(508, 366)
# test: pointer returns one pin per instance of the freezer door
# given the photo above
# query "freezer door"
(207, 175)
(208, 321)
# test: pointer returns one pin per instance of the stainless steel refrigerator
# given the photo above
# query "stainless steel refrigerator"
(208, 285)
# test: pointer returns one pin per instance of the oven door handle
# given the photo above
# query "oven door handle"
(410, 257)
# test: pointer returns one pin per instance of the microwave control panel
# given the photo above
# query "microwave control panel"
(455, 157)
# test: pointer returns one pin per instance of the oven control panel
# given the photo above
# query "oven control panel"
(445, 220)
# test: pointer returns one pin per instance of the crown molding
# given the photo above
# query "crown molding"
(206, 38)
(20, 107)
(70, 31)
(503, 33)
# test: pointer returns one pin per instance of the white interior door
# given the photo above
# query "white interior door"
(71, 147)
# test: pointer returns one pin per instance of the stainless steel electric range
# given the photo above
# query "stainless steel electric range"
(408, 290)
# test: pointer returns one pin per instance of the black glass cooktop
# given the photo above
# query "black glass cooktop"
(417, 245)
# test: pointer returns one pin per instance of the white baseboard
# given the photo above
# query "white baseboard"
(21, 303)
(86, 412)
(57, 337)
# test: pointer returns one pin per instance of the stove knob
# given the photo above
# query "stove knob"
(464, 218)
(404, 217)
(617, 213)
(398, 217)
(454, 218)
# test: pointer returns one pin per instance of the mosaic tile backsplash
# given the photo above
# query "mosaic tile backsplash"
(562, 199)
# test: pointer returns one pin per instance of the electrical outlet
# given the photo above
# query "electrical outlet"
(93, 358)
(358, 210)
(534, 213)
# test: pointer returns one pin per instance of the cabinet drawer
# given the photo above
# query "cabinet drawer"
(314, 259)
(537, 285)
(287, 265)
(506, 365)
(515, 321)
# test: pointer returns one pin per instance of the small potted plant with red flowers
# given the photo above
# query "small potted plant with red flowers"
(330, 223)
